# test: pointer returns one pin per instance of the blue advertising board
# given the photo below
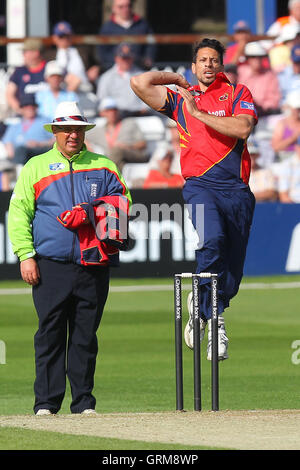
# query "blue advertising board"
(274, 244)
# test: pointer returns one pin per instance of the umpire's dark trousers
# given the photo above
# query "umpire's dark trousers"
(69, 301)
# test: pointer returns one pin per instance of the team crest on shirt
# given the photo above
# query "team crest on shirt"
(94, 187)
(224, 97)
(56, 166)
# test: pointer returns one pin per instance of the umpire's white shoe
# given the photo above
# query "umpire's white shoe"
(223, 340)
(44, 412)
(88, 411)
(189, 328)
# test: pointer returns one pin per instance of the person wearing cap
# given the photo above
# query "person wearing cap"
(68, 57)
(123, 21)
(287, 129)
(26, 138)
(28, 78)
(55, 92)
(160, 173)
(241, 36)
(262, 180)
(263, 83)
(120, 139)
(69, 278)
(289, 77)
(115, 82)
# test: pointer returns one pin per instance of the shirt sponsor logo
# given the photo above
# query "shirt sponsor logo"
(247, 105)
(220, 112)
(56, 166)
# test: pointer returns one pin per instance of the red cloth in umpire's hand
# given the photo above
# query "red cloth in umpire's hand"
(74, 218)
(92, 250)
(101, 227)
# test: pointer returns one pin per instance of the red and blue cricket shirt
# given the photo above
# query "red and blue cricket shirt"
(218, 160)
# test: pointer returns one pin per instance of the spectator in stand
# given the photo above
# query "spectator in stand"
(289, 178)
(28, 78)
(160, 174)
(124, 21)
(119, 139)
(262, 82)
(287, 130)
(292, 19)
(48, 98)
(235, 53)
(7, 172)
(26, 138)
(69, 58)
(115, 83)
(280, 53)
(262, 181)
(289, 78)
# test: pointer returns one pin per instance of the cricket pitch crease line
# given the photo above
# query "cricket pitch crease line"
(169, 287)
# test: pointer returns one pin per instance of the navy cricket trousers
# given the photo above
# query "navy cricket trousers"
(69, 301)
(224, 230)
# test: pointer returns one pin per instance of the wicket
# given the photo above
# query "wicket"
(197, 352)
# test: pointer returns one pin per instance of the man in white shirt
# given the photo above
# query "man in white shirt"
(292, 19)
(119, 139)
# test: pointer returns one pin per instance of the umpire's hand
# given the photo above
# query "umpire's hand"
(30, 271)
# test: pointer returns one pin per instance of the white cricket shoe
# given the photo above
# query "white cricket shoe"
(223, 340)
(88, 411)
(189, 328)
(44, 412)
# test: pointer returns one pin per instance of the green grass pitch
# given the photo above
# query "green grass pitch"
(136, 362)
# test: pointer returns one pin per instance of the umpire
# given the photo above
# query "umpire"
(69, 289)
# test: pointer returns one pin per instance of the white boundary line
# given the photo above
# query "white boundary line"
(169, 287)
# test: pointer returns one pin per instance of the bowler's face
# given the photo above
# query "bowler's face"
(206, 67)
(69, 139)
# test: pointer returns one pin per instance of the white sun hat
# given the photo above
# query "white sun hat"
(68, 113)
(162, 150)
(53, 68)
(293, 99)
(255, 49)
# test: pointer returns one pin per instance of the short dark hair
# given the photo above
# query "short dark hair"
(213, 44)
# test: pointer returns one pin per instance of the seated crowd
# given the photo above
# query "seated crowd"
(144, 144)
